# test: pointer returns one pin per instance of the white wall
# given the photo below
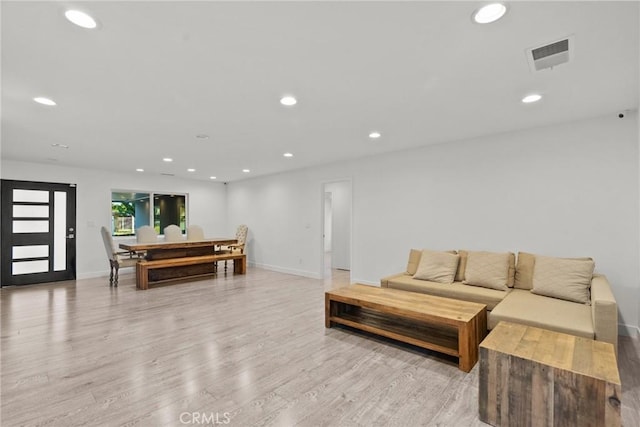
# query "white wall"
(283, 216)
(340, 224)
(566, 190)
(207, 203)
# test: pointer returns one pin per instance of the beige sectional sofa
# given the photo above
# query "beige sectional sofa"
(593, 314)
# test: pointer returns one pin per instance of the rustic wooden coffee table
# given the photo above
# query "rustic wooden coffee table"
(535, 377)
(441, 324)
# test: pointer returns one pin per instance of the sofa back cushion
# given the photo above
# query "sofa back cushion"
(487, 269)
(414, 260)
(437, 267)
(524, 271)
(567, 279)
(462, 265)
(511, 280)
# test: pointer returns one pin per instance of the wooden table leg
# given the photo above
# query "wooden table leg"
(464, 348)
(142, 276)
(327, 311)
(469, 337)
(138, 275)
(240, 265)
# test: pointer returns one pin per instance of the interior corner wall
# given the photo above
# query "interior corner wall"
(566, 190)
(206, 203)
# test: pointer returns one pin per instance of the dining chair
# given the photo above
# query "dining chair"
(241, 237)
(195, 232)
(172, 233)
(116, 259)
(146, 234)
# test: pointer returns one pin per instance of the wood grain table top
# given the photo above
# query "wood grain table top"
(584, 356)
(214, 241)
(455, 311)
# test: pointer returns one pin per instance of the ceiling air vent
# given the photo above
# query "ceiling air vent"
(550, 55)
(167, 174)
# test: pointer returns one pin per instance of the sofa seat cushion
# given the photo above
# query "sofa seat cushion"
(522, 306)
(455, 290)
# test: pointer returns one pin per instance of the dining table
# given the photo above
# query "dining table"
(178, 261)
(179, 249)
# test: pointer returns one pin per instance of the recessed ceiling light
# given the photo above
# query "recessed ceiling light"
(81, 19)
(288, 101)
(44, 101)
(191, 170)
(139, 170)
(167, 159)
(246, 170)
(531, 98)
(212, 177)
(288, 155)
(489, 13)
(202, 136)
(375, 135)
(59, 146)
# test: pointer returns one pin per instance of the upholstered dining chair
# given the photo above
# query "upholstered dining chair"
(195, 232)
(172, 233)
(116, 259)
(241, 237)
(146, 234)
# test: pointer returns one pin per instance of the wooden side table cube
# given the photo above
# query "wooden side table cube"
(535, 377)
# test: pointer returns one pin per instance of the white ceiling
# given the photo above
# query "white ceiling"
(156, 74)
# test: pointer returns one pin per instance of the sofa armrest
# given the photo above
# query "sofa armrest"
(604, 311)
(384, 282)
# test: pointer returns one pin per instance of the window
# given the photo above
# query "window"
(131, 210)
(169, 209)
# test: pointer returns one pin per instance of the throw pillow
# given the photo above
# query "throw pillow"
(487, 269)
(437, 266)
(526, 265)
(567, 279)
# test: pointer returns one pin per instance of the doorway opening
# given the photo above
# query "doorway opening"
(336, 231)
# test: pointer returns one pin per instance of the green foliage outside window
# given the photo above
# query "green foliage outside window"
(131, 210)
(123, 209)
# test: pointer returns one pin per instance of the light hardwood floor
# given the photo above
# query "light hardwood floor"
(250, 349)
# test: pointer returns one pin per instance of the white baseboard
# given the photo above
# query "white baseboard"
(629, 330)
(92, 275)
(303, 273)
(103, 273)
